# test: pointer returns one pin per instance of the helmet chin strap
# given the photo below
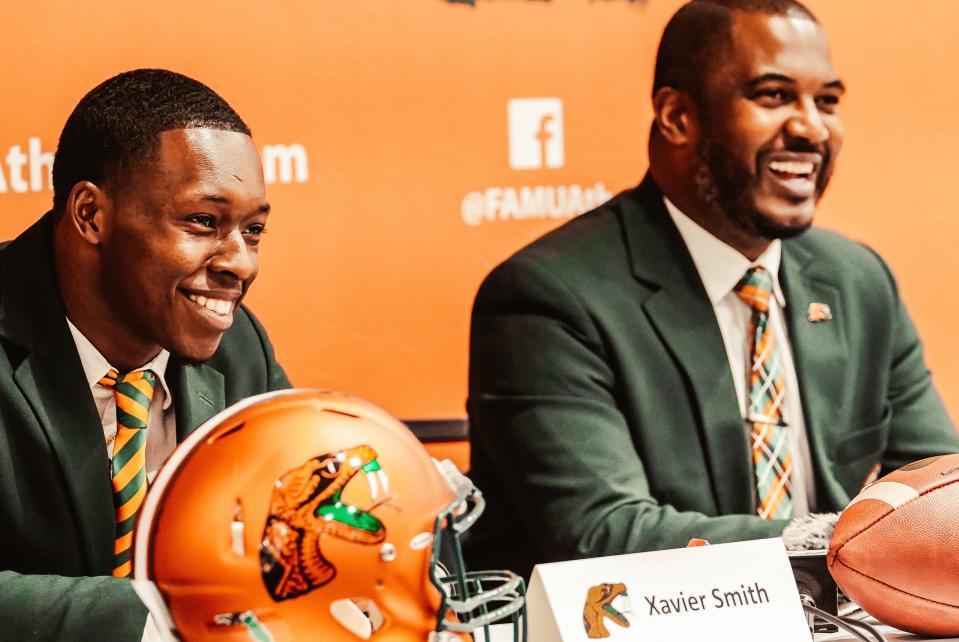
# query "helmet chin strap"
(255, 629)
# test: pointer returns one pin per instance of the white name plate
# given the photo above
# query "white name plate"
(743, 591)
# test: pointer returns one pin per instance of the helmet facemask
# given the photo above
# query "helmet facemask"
(471, 599)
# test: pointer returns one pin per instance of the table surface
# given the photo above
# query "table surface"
(503, 633)
(891, 635)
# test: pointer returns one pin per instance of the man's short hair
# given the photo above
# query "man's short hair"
(698, 36)
(117, 125)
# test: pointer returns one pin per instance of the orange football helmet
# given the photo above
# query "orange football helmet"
(310, 515)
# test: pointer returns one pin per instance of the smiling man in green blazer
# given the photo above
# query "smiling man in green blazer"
(142, 264)
(630, 389)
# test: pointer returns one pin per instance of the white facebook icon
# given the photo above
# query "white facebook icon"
(535, 133)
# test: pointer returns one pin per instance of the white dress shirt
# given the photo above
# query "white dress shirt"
(161, 425)
(720, 268)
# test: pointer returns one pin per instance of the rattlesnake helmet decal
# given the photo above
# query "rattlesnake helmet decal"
(598, 607)
(305, 506)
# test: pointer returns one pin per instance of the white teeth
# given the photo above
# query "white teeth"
(218, 306)
(384, 480)
(371, 479)
(792, 167)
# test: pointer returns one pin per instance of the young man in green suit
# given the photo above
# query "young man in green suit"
(630, 390)
(140, 267)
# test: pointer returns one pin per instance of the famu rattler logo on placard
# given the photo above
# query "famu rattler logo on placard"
(599, 608)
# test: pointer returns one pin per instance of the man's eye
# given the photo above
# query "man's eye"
(828, 102)
(256, 230)
(776, 96)
(202, 219)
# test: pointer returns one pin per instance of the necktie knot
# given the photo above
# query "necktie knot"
(133, 392)
(113, 378)
(755, 289)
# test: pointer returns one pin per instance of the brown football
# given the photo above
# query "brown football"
(895, 550)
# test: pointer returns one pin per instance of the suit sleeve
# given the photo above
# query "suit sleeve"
(49, 607)
(543, 407)
(919, 424)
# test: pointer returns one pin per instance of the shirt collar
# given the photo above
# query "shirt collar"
(95, 365)
(720, 266)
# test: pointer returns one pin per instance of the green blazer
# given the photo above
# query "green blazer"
(603, 413)
(56, 502)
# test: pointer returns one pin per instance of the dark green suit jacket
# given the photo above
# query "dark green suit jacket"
(56, 502)
(603, 414)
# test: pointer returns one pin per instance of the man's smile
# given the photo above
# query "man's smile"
(216, 309)
(793, 175)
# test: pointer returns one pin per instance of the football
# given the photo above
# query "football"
(895, 549)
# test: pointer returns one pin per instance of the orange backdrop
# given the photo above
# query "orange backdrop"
(401, 186)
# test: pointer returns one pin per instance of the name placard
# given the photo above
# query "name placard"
(742, 591)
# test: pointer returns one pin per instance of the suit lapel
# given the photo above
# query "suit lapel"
(51, 379)
(198, 393)
(819, 351)
(680, 311)
(62, 403)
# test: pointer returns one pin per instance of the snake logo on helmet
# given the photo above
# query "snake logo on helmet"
(307, 505)
(313, 515)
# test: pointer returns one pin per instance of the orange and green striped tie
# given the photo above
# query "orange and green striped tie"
(133, 392)
(772, 460)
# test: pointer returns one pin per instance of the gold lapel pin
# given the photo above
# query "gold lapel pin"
(818, 312)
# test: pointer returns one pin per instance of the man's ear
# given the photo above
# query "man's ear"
(675, 116)
(85, 211)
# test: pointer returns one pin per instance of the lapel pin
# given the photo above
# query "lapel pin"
(818, 312)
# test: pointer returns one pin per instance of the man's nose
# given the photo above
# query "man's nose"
(807, 123)
(235, 257)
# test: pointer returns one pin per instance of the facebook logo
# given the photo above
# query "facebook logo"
(535, 133)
